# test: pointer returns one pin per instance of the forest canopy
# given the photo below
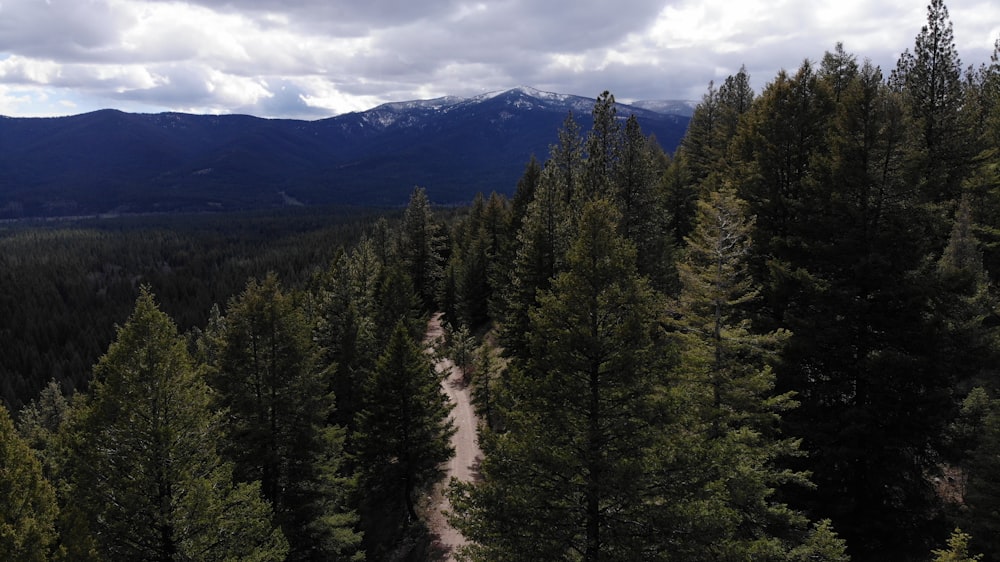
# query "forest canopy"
(778, 343)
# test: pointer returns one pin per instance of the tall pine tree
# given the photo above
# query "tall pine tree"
(841, 256)
(931, 79)
(278, 406)
(421, 247)
(403, 436)
(568, 479)
(144, 468)
(726, 367)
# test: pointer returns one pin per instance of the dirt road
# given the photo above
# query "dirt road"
(464, 465)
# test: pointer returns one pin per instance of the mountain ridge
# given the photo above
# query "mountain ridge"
(109, 161)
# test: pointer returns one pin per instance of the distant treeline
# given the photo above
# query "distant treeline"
(64, 285)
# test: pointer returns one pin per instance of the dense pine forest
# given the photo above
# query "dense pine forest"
(778, 343)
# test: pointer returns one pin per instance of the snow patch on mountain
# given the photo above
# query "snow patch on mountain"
(522, 98)
(669, 107)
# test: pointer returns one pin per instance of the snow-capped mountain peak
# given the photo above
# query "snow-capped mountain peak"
(503, 103)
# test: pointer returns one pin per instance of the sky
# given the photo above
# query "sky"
(311, 59)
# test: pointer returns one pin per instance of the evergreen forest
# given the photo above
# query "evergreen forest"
(779, 343)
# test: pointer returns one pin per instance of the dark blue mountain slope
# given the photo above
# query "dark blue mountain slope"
(108, 161)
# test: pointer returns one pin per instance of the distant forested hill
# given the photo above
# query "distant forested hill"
(113, 162)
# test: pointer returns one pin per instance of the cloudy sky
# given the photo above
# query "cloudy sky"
(311, 59)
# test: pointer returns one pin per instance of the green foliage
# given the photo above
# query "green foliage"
(542, 243)
(783, 136)
(931, 79)
(488, 392)
(958, 549)
(982, 491)
(566, 161)
(603, 150)
(838, 69)
(396, 300)
(341, 306)
(729, 390)
(403, 436)
(66, 284)
(524, 194)
(480, 262)
(642, 203)
(841, 250)
(143, 466)
(460, 346)
(28, 508)
(983, 182)
(721, 348)
(822, 545)
(278, 406)
(422, 247)
(40, 420)
(568, 478)
(657, 317)
(705, 148)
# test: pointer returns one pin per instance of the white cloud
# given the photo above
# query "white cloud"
(324, 96)
(24, 70)
(312, 58)
(13, 102)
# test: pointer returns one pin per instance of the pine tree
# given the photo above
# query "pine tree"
(40, 419)
(641, 201)
(603, 150)
(28, 509)
(567, 479)
(566, 160)
(983, 183)
(838, 69)
(964, 302)
(841, 249)
(705, 148)
(784, 135)
(524, 194)
(395, 300)
(983, 487)
(931, 79)
(822, 544)
(680, 194)
(343, 336)
(364, 269)
(736, 98)
(421, 248)
(403, 435)
(703, 144)
(714, 314)
(497, 235)
(485, 374)
(278, 408)
(541, 246)
(726, 364)
(958, 549)
(143, 468)
(473, 280)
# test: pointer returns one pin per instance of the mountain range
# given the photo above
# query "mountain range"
(110, 162)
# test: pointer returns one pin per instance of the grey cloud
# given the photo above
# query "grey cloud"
(338, 17)
(413, 47)
(184, 86)
(503, 45)
(287, 102)
(60, 29)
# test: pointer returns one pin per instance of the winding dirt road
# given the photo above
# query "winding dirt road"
(464, 465)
